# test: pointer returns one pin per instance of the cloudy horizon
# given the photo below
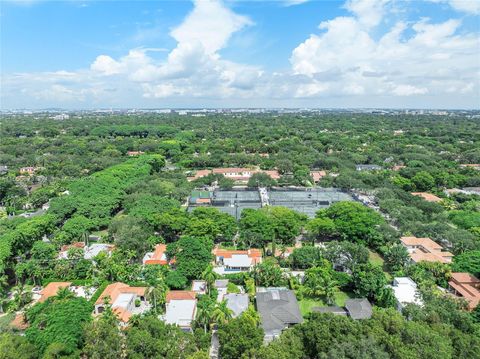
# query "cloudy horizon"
(212, 53)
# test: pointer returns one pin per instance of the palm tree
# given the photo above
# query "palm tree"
(21, 296)
(250, 287)
(209, 276)
(64, 293)
(252, 315)
(204, 311)
(156, 295)
(313, 286)
(222, 314)
(329, 290)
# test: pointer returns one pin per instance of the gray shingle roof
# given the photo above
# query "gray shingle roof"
(278, 308)
(238, 303)
(221, 283)
(359, 308)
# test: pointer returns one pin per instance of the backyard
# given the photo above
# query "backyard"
(306, 304)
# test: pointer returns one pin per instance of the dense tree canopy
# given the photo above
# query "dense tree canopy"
(122, 179)
(58, 321)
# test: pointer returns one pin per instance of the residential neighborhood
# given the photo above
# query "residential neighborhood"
(240, 179)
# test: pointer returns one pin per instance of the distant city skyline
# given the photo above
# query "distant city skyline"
(239, 54)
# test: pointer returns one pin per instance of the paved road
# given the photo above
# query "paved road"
(214, 346)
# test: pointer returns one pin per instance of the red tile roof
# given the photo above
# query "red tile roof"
(203, 200)
(464, 278)
(158, 256)
(180, 295)
(272, 173)
(236, 173)
(227, 253)
(427, 196)
(232, 170)
(466, 286)
(19, 322)
(425, 249)
(115, 289)
(424, 242)
(66, 247)
(51, 290)
(317, 175)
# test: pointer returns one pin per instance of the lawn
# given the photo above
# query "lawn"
(306, 304)
(375, 258)
(341, 297)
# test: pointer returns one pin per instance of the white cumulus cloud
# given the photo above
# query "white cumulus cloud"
(429, 60)
(359, 59)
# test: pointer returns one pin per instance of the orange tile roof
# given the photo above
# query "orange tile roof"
(425, 249)
(227, 253)
(238, 173)
(428, 257)
(398, 167)
(180, 295)
(424, 242)
(203, 200)
(464, 278)
(51, 290)
(135, 153)
(427, 196)
(272, 173)
(232, 170)
(115, 289)
(317, 175)
(158, 255)
(253, 253)
(199, 174)
(66, 247)
(123, 314)
(467, 286)
(19, 322)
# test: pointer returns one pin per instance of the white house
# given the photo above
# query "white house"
(236, 261)
(406, 292)
(181, 308)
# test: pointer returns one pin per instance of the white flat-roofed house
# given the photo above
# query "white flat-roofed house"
(221, 285)
(95, 249)
(236, 261)
(181, 309)
(406, 292)
(89, 252)
(199, 286)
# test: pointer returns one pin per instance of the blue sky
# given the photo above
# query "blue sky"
(213, 53)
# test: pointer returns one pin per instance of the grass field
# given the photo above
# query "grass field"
(306, 304)
(376, 259)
